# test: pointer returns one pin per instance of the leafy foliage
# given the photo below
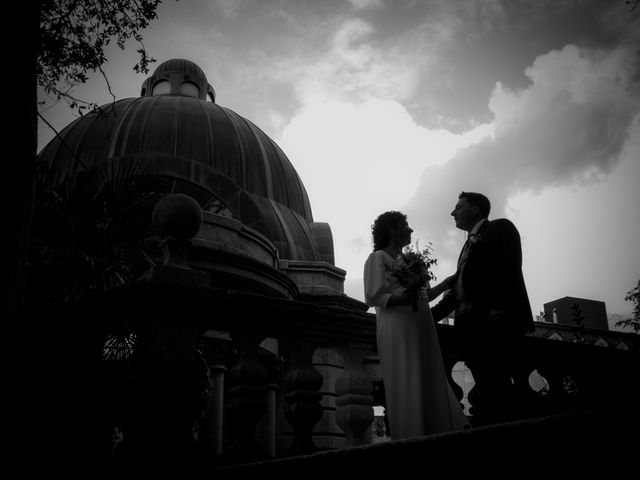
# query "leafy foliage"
(633, 295)
(74, 35)
(426, 256)
(576, 314)
(91, 237)
(414, 272)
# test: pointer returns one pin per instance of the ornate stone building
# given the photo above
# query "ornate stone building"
(258, 234)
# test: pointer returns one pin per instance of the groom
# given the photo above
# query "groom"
(491, 304)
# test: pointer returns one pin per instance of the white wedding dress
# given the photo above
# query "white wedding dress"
(419, 399)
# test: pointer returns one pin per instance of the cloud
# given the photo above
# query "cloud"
(568, 256)
(228, 8)
(359, 159)
(366, 4)
(567, 128)
(347, 58)
(309, 53)
(354, 64)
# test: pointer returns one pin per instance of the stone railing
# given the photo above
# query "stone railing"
(553, 377)
(316, 392)
(196, 376)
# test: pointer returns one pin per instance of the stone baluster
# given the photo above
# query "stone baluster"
(245, 400)
(302, 408)
(354, 404)
(475, 404)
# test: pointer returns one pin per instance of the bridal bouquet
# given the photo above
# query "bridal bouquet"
(414, 272)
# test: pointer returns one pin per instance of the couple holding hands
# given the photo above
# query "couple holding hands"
(488, 295)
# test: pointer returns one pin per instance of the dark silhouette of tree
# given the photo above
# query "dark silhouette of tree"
(92, 237)
(578, 318)
(74, 35)
(56, 44)
(633, 322)
(576, 314)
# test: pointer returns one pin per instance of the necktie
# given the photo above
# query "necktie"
(463, 254)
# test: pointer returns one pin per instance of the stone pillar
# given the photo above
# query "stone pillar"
(302, 408)
(245, 400)
(165, 395)
(215, 348)
(211, 435)
(267, 429)
(354, 404)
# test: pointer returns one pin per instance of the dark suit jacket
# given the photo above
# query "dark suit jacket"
(492, 279)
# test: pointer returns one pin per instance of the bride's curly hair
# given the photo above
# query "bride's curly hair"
(382, 226)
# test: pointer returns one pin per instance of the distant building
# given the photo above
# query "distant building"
(590, 336)
(577, 312)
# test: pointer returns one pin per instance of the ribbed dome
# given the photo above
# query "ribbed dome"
(218, 157)
(180, 65)
(175, 74)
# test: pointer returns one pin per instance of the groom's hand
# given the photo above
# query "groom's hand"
(450, 281)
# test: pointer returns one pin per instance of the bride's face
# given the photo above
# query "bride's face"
(402, 234)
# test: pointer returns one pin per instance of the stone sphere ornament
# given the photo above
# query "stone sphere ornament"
(177, 216)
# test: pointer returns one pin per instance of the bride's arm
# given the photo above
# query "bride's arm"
(443, 286)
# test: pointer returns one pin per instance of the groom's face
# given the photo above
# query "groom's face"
(465, 215)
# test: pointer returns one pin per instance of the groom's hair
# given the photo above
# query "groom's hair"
(382, 226)
(478, 200)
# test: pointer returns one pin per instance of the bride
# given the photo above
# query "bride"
(419, 399)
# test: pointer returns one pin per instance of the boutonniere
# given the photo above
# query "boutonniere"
(475, 238)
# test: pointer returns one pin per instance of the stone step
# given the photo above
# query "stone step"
(580, 441)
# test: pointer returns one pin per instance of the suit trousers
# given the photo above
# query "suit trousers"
(489, 352)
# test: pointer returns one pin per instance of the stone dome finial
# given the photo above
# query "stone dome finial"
(178, 77)
(177, 216)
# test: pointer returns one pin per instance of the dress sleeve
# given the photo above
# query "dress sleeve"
(376, 288)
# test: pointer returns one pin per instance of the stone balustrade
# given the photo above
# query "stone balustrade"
(200, 387)
(262, 404)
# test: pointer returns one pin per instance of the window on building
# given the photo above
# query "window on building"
(189, 89)
(163, 87)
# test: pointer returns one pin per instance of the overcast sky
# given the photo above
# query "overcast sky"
(400, 105)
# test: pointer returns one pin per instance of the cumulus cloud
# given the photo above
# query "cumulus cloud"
(354, 65)
(568, 256)
(567, 128)
(358, 160)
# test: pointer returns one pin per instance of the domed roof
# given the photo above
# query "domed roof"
(224, 161)
(180, 65)
(176, 73)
